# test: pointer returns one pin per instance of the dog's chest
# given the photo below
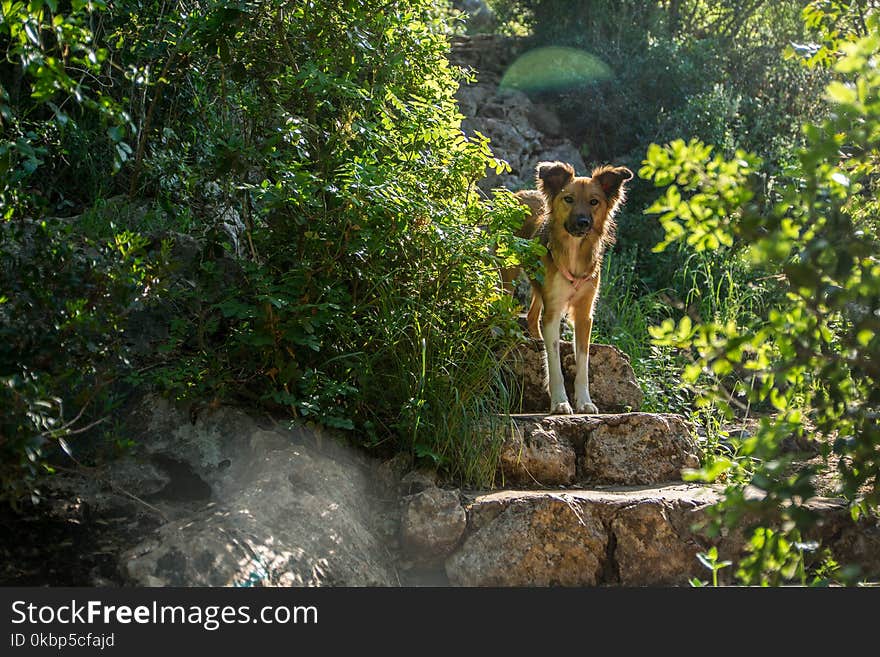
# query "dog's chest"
(558, 290)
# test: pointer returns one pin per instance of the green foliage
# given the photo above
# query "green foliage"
(773, 559)
(368, 298)
(709, 560)
(65, 296)
(834, 22)
(64, 302)
(812, 358)
(714, 189)
(706, 70)
(338, 264)
(56, 88)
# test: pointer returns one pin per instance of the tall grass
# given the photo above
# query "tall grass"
(720, 289)
(703, 286)
(624, 311)
(626, 307)
(449, 376)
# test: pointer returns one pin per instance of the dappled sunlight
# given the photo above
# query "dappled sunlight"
(256, 275)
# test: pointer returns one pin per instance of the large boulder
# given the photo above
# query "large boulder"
(532, 455)
(627, 536)
(630, 537)
(254, 505)
(649, 550)
(432, 523)
(638, 448)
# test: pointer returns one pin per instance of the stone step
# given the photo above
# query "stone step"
(618, 536)
(621, 449)
(613, 385)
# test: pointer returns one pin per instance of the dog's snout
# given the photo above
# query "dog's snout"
(579, 224)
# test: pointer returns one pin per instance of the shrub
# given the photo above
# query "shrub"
(64, 295)
(346, 269)
(813, 357)
(64, 304)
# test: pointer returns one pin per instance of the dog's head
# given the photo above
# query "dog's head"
(583, 204)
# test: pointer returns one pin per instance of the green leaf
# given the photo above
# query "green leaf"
(841, 93)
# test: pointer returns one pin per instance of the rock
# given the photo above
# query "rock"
(557, 149)
(533, 456)
(638, 448)
(284, 507)
(243, 504)
(621, 536)
(545, 120)
(470, 99)
(416, 481)
(629, 449)
(553, 540)
(648, 549)
(432, 523)
(390, 472)
(512, 139)
(514, 125)
(613, 385)
(580, 538)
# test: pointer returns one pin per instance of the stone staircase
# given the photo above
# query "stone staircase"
(586, 499)
(620, 446)
(590, 500)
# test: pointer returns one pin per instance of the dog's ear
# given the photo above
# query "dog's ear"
(553, 176)
(611, 179)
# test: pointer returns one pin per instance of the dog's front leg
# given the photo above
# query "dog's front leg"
(558, 399)
(583, 327)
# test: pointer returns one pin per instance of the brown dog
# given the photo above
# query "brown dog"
(574, 219)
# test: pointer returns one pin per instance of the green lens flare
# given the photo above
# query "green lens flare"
(554, 69)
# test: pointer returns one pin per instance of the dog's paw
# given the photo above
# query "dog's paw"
(587, 407)
(562, 408)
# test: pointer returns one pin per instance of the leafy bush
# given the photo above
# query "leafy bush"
(52, 99)
(342, 268)
(368, 299)
(63, 307)
(813, 357)
(65, 296)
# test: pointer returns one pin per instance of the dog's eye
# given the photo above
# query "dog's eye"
(568, 199)
(594, 201)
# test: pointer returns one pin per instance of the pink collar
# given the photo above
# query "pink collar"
(576, 282)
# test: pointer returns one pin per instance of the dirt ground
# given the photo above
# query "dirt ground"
(61, 542)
